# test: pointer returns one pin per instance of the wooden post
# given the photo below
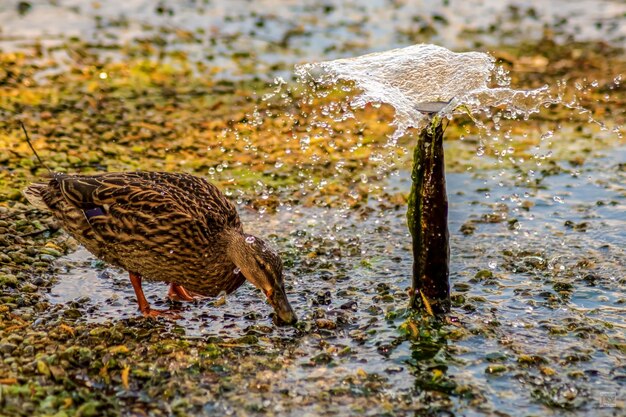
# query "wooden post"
(427, 218)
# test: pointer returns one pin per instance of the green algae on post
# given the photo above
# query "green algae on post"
(427, 218)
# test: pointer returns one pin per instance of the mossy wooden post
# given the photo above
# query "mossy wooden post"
(427, 218)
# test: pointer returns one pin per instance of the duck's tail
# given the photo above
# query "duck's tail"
(34, 194)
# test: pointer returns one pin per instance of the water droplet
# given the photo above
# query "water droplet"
(250, 239)
(493, 264)
(304, 143)
(558, 199)
(236, 270)
(617, 80)
(547, 135)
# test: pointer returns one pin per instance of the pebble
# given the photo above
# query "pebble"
(350, 305)
(50, 251)
(7, 347)
(9, 280)
(325, 324)
(19, 258)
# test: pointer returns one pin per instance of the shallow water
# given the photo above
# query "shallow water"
(555, 298)
(538, 286)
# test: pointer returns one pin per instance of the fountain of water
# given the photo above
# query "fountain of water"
(427, 84)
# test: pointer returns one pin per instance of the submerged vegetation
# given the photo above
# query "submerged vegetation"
(537, 285)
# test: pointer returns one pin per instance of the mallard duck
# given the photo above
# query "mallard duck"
(159, 226)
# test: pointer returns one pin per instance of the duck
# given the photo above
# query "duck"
(175, 228)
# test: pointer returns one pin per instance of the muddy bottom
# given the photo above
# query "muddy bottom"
(538, 288)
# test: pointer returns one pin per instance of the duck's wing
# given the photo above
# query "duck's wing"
(201, 198)
(149, 203)
(126, 208)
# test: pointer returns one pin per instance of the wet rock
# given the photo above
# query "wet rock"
(19, 257)
(322, 298)
(50, 251)
(39, 281)
(382, 288)
(325, 324)
(8, 280)
(394, 369)
(325, 275)
(15, 338)
(385, 349)
(468, 228)
(72, 313)
(322, 358)
(359, 336)
(496, 357)
(28, 288)
(495, 369)
(43, 368)
(565, 287)
(252, 315)
(458, 299)
(57, 372)
(23, 7)
(7, 347)
(483, 274)
(531, 359)
(374, 310)
(579, 227)
(350, 305)
(47, 258)
(259, 330)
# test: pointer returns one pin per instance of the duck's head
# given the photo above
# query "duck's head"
(262, 266)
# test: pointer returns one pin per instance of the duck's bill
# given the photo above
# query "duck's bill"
(284, 313)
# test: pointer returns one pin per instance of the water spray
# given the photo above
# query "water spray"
(428, 85)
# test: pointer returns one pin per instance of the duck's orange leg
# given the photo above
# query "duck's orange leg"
(144, 307)
(179, 293)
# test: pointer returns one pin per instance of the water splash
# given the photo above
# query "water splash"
(422, 79)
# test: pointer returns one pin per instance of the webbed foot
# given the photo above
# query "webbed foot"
(179, 293)
(169, 314)
(144, 306)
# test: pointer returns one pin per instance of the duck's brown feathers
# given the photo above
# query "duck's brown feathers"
(163, 226)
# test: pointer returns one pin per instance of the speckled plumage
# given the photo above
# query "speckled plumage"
(163, 226)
